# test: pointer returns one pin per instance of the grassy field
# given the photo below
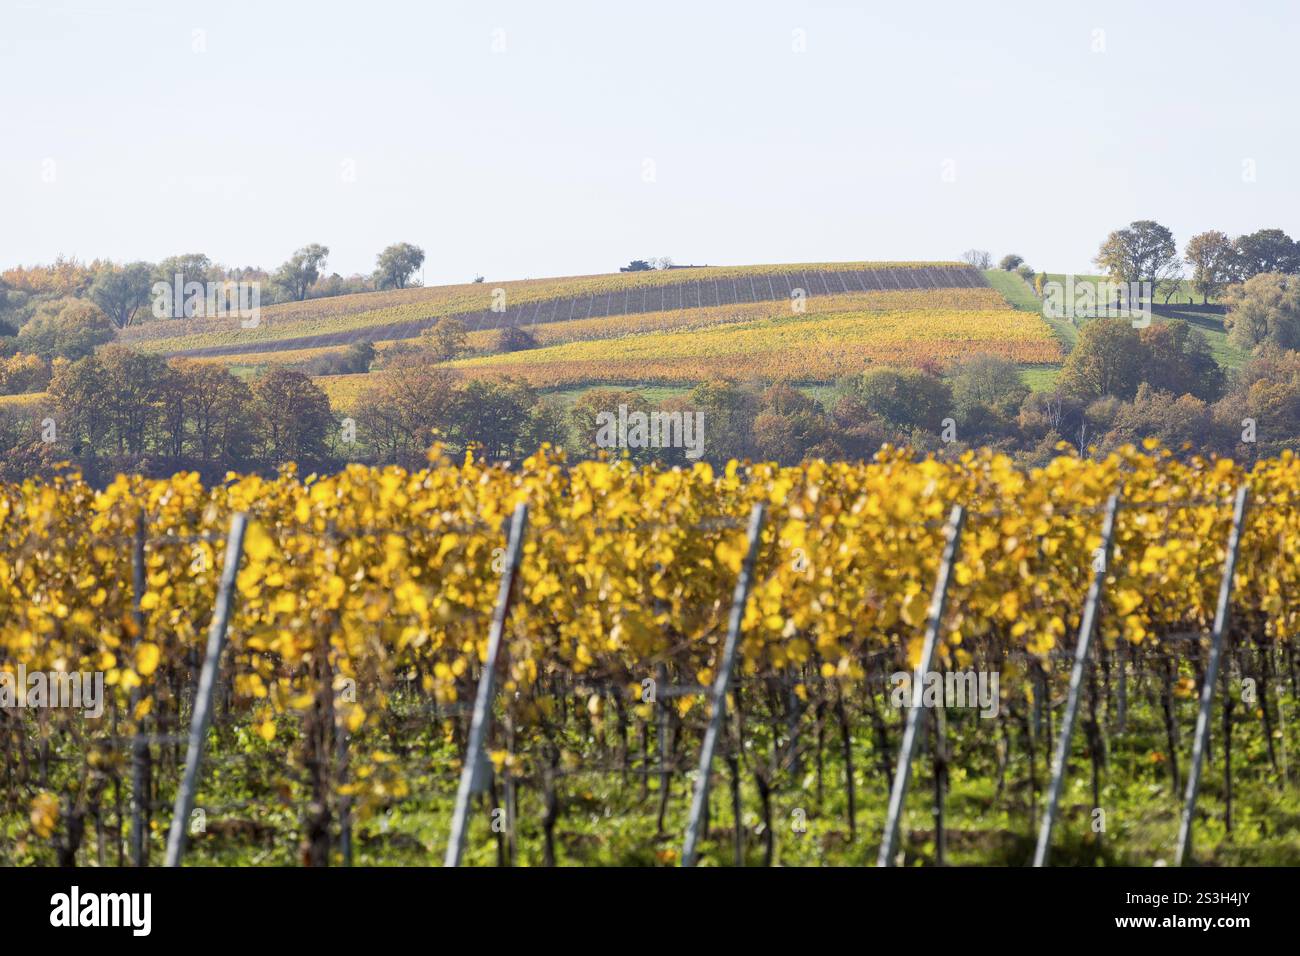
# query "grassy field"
(1183, 304)
(1020, 296)
(1210, 323)
(1182, 295)
(1014, 289)
(993, 793)
(1039, 378)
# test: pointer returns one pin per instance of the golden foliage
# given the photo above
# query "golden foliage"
(388, 578)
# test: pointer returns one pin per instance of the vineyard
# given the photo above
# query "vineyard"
(386, 316)
(684, 664)
(822, 345)
(685, 320)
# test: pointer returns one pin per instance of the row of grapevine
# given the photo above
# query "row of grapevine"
(622, 298)
(366, 595)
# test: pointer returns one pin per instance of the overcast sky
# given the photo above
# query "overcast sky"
(518, 139)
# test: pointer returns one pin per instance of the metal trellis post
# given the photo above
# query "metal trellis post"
(202, 716)
(903, 772)
(719, 694)
(139, 743)
(1211, 673)
(1082, 646)
(472, 774)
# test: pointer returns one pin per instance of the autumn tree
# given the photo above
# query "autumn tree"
(447, 339)
(858, 430)
(1266, 390)
(190, 266)
(512, 338)
(402, 415)
(1106, 360)
(300, 273)
(214, 411)
(64, 278)
(1143, 252)
(1214, 262)
(1267, 250)
(23, 372)
(294, 417)
(1176, 358)
(1112, 360)
(729, 412)
(80, 419)
(66, 328)
(132, 391)
(583, 417)
(789, 425)
(988, 380)
(25, 454)
(547, 423)
(1050, 416)
(1176, 421)
(906, 398)
(120, 291)
(493, 414)
(1266, 308)
(397, 264)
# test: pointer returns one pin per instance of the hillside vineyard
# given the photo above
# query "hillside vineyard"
(626, 299)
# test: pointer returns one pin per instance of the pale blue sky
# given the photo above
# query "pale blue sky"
(531, 161)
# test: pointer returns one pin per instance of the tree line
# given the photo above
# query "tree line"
(124, 290)
(68, 309)
(121, 410)
(1146, 252)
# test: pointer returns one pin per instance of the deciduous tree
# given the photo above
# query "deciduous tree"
(1143, 252)
(397, 264)
(300, 273)
(120, 291)
(1214, 262)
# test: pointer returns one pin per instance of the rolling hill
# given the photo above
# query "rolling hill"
(667, 330)
(810, 324)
